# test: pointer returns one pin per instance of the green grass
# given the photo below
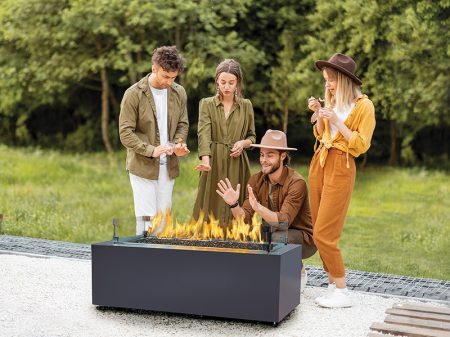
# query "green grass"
(398, 221)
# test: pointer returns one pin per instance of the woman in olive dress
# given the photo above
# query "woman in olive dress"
(226, 128)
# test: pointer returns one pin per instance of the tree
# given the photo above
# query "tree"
(400, 49)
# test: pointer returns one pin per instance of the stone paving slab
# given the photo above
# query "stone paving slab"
(356, 280)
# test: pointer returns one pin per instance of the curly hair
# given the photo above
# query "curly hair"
(168, 58)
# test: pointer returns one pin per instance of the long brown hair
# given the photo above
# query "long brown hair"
(232, 67)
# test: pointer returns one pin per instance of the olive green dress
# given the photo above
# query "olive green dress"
(216, 136)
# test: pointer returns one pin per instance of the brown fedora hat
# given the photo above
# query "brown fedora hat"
(274, 139)
(343, 63)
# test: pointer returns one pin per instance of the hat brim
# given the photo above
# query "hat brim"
(320, 64)
(274, 147)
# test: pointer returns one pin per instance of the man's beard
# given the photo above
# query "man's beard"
(274, 167)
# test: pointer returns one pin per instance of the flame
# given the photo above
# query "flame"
(202, 230)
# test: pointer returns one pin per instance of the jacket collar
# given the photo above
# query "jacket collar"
(144, 85)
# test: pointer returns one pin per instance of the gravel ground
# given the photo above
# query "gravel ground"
(41, 296)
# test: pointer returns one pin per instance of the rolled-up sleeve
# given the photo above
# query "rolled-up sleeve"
(316, 133)
(127, 125)
(359, 141)
(293, 201)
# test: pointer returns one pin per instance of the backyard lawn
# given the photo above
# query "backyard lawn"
(398, 222)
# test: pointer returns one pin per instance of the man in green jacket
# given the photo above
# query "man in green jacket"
(153, 126)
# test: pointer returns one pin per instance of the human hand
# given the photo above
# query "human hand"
(252, 199)
(329, 114)
(237, 148)
(204, 165)
(314, 104)
(161, 149)
(226, 191)
(181, 150)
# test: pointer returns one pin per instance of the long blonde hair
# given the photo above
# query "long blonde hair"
(346, 91)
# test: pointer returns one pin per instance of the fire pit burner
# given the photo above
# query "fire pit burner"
(203, 243)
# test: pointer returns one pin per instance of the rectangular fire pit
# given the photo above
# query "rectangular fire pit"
(246, 282)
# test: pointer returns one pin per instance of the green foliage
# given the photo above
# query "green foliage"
(52, 55)
(401, 230)
(402, 50)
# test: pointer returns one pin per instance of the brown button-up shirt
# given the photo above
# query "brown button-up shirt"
(289, 201)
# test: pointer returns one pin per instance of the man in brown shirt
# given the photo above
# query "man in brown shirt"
(278, 193)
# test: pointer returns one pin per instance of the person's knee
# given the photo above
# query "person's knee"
(320, 239)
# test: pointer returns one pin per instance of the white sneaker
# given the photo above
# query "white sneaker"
(330, 289)
(339, 298)
(303, 280)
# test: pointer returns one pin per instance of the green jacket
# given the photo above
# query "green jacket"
(138, 128)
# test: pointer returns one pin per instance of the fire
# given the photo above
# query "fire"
(202, 230)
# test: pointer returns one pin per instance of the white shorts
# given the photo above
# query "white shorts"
(151, 197)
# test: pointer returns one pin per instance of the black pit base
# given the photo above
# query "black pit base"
(237, 284)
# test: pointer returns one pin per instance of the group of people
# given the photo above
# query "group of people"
(153, 126)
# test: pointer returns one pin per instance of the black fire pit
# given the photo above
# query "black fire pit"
(249, 281)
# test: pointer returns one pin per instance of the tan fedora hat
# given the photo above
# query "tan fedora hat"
(274, 139)
(342, 63)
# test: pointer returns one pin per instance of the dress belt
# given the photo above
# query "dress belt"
(230, 146)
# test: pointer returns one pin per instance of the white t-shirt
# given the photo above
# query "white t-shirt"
(160, 97)
(342, 116)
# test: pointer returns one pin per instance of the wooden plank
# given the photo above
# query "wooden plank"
(423, 308)
(422, 323)
(373, 334)
(418, 314)
(409, 331)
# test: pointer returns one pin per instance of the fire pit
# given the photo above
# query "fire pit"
(257, 281)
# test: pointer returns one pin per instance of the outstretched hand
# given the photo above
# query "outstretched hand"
(226, 191)
(204, 165)
(252, 199)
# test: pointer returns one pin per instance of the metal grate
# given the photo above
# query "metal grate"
(356, 280)
(386, 284)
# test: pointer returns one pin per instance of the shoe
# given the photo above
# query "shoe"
(303, 280)
(330, 289)
(339, 298)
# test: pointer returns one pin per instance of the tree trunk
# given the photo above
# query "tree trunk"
(115, 105)
(132, 74)
(12, 128)
(178, 42)
(105, 110)
(393, 159)
(178, 36)
(285, 116)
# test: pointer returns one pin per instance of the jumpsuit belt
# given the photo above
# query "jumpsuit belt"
(323, 153)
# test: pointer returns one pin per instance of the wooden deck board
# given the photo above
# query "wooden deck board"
(409, 331)
(423, 323)
(410, 320)
(418, 314)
